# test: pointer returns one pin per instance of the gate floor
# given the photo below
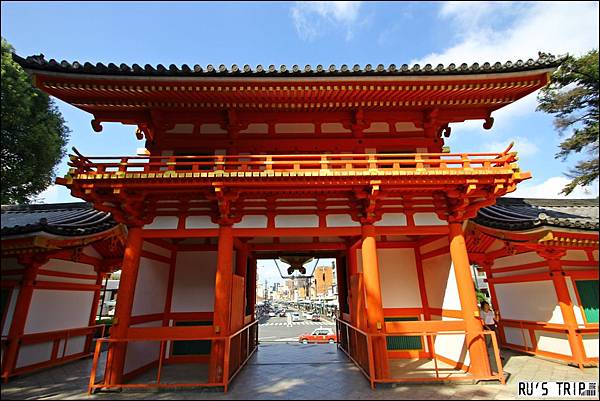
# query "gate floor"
(294, 371)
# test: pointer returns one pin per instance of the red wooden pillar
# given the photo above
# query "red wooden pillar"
(351, 271)
(129, 272)
(19, 319)
(566, 305)
(374, 303)
(241, 260)
(341, 264)
(222, 308)
(479, 362)
(252, 279)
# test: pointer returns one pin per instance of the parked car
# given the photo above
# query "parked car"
(282, 313)
(296, 317)
(315, 317)
(320, 335)
(272, 314)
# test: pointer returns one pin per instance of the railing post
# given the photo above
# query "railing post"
(95, 367)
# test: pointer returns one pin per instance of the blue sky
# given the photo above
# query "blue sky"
(315, 33)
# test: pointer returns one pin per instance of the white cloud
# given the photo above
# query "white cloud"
(526, 28)
(56, 194)
(551, 189)
(523, 146)
(312, 18)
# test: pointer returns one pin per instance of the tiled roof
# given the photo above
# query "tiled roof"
(40, 63)
(65, 219)
(524, 214)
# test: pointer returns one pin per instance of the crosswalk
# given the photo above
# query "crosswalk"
(297, 324)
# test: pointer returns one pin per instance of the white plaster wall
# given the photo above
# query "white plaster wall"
(294, 128)
(252, 221)
(576, 309)
(194, 283)
(74, 346)
(440, 282)
(162, 222)
(398, 278)
(575, 254)
(428, 219)
(515, 336)
(10, 311)
(533, 301)
(211, 129)
(34, 353)
(557, 343)
(67, 266)
(256, 129)
(150, 287)
(333, 128)
(453, 347)
(297, 220)
(140, 353)
(378, 127)
(392, 219)
(58, 310)
(159, 250)
(341, 220)
(199, 222)
(517, 260)
(43, 277)
(437, 244)
(590, 345)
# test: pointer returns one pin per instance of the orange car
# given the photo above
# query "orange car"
(320, 335)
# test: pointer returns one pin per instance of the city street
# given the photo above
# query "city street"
(277, 329)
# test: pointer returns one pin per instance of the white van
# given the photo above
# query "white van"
(296, 317)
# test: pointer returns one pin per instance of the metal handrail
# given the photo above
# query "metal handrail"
(165, 338)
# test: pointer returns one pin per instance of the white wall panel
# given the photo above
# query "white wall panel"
(575, 254)
(150, 287)
(141, 353)
(398, 278)
(162, 222)
(67, 266)
(440, 282)
(252, 221)
(532, 300)
(57, 310)
(428, 219)
(341, 220)
(194, 284)
(517, 260)
(392, 219)
(34, 353)
(590, 344)
(557, 343)
(75, 345)
(199, 222)
(297, 220)
(515, 336)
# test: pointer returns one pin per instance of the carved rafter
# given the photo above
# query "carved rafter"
(224, 199)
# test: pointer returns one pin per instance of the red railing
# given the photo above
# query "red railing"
(299, 163)
(358, 346)
(238, 348)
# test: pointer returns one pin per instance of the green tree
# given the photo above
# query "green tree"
(34, 134)
(572, 96)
